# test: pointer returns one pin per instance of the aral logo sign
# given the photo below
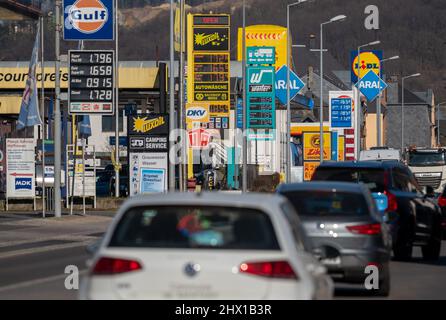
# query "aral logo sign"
(369, 60)
(88, 19)
(23, 184)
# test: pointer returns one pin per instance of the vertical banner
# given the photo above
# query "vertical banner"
(20, 168)
(148, 150)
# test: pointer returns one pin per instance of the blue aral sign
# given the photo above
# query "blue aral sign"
(88, 20)
(341, 112)
(296, 84)
(371, 85)
(261, 100)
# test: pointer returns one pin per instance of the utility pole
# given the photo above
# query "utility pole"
(42, 110)
(117, 163)
(183, 165)
(245, 144)
(172, 93)
(57, 122)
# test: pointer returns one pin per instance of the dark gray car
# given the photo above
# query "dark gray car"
(345, 228)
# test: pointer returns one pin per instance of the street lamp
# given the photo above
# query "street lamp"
(378, 104)
(402, 106)
(438, 121)
(288, 105)
(338, 18)
(358, 101)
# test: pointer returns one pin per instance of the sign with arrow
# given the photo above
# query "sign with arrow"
(296, 84)
(371, 85)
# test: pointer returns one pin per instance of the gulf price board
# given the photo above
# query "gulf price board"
(341, 109)
(88, 20)
(208, 78)
(261, 98)
(91, 82)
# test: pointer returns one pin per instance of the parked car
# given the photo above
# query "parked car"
(415, 220)
(442, 204)
(346, 229)
(207, 245)
(105, 181)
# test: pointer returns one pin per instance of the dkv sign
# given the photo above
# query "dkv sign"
(296, 84)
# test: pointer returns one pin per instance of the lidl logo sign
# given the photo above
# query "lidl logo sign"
(371, 85)
(369, 60)
(23, 183)
(296, 84)
(88, 19)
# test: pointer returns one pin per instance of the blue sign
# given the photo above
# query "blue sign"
(341, 112)
(88, 20)
(123, 141)
(152, 180)
(371, 85)
(239, 112)
(296, 84)
(23, 183)
(261, 102)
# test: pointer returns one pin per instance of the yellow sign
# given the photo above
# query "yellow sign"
(144, 125)
(309, 169)
(265, 35)
(369, 61)
(341, 148)
(298, 129)
(129, 78)
(10, 104)
(312, 143)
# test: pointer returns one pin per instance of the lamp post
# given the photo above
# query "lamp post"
(338, 18)
(438, 122)
(402, 106)
(172, 93)
(358, 101)
(378, 105)
(288, 105)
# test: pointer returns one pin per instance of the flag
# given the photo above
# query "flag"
(29, 110)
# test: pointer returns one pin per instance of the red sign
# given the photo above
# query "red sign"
(199, 138)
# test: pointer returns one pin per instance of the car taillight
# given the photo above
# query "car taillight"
(109, 266)
(269, 269)
(369, 229)
(442, 201)
(392, 203)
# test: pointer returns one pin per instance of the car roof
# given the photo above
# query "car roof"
(350, 187)
(362, 164)
(266, 201)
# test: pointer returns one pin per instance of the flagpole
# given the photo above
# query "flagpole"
(42, 107)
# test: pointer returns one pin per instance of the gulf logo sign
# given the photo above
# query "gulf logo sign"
(88, 20)
(369, 60)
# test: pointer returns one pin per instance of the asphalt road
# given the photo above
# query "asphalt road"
(40, 275)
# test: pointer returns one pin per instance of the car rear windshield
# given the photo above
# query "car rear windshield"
(195, 227)
(420, 159)
(372, 178)
(328, 203)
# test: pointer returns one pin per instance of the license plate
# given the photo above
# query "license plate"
(331, 261)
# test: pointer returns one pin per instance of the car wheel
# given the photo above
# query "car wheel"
(431, 251)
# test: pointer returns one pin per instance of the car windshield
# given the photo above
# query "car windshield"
(327, 203)
(195, 227)
(372, 178)
(419, 159)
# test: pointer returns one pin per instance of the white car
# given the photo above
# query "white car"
(205, 246)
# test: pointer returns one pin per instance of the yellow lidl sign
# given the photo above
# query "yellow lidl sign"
(368, 60)
(265, 36)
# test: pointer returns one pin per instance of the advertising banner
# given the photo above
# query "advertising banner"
(147, 171)
(309, 169)
(148, 124)
(88, 20)
(312, 143)
(20, 168)
(211, 39)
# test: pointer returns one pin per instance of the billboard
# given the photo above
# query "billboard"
(265, 36)
(91, 82)
(312, 143)
(88, 20)
(20, 168)
(370, 60)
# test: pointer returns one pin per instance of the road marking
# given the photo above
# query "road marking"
(36, 282)
(45, 249)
